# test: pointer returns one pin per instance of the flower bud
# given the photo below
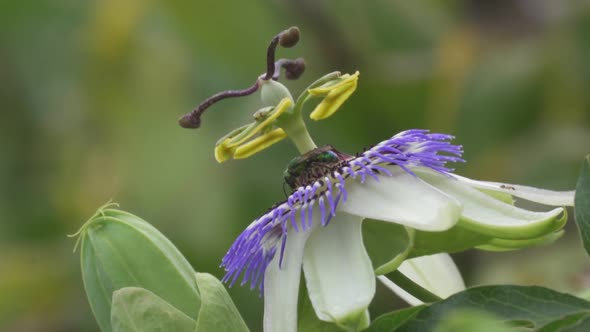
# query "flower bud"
(121, 250)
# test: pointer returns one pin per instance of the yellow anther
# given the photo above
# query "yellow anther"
(331, 85)
(234, 133)
(223, 152)
(259, 143)
(336, 93)
(285, 104)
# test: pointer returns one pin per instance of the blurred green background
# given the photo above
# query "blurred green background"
(91, 92)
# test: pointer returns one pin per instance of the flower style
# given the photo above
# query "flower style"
(401, 180)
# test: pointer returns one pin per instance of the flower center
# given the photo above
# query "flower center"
(323, 174)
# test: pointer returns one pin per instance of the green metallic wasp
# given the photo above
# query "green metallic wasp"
(314, 165)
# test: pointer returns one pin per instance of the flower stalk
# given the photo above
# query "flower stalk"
(412, 287)
(295, 128)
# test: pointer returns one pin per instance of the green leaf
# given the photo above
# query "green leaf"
(218, 312)
(585, 294)
(473, 321)
(531, 305)
(393, 320)
(136, 309)
(567, 321)
(582, 325)
(582, 203)
(121, 250)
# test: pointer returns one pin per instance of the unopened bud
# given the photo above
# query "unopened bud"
(121, 250)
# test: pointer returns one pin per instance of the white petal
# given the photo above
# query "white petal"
(281, 285)
(491, 216)
(403, 199)
(542, 196)
(338, 272)
(436, 273)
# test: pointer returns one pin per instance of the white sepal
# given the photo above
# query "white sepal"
(542, 196)
(403, 199)
(485, 214)
(436, 273)
(281, 285)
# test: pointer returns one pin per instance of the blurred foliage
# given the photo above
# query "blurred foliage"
(490, 308)
(92, 90)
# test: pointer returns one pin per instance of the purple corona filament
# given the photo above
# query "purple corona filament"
(254, 249)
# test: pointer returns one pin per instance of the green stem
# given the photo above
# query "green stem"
(293, 123)
(295, 128)
(413, 288)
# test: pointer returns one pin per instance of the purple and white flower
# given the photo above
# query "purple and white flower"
(402, 180)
